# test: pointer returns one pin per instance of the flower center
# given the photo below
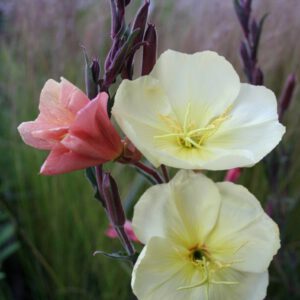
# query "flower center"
(197, 255)
(207, 267)
(187, 134)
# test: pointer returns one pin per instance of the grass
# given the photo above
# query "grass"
(59, 224)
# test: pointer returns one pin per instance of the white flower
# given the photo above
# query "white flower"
(203, 240)
(192, 112)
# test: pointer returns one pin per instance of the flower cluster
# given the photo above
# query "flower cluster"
(203, 240)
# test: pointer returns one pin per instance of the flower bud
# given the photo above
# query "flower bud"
(140, 21)
(112, 200)
(91, 76)
(233, 175)
(119, 59)
(149, 50)
(286, 95)
(257, 77)
(117, 16)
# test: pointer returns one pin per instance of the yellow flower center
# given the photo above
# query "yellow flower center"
(187, 134)
(207, 266)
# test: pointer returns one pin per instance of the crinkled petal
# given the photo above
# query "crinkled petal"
(32, 134)
(161, 270)
(92, 133)
(62, 160)
(252, 126)
(249, 286)
(244, 234)
(172, 210)
(72, 97)
(52, 110)
(138, 109)
(204, 79)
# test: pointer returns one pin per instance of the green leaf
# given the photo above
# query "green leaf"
(8, 250)
(6, 232)
(118, 255)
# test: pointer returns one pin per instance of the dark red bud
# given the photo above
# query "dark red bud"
(120, 58)
(95, 68)
(286, 95)
(140, 21)
(112, 200)
(257, 77)
(90, 71)
(117, 16)
(149, 50)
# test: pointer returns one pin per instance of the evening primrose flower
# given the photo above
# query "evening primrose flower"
(77, 131)
(203, 240)
(192, 112)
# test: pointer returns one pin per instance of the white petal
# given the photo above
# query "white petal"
(160, 270)
(250, 286)
(253, 126)
(185, 210)
(149, 212)
(197, 202)
(205, 79)
(137, 110)
(244, 234)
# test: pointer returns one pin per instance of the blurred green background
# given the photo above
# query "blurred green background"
(54, 222)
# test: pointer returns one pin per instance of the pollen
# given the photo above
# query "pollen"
(187, 134)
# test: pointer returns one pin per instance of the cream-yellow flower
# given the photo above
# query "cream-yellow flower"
(192, 112)
(203, 240)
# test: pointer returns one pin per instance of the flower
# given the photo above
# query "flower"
(204, 240)
(111, 232)
(78, 132)
(233, 175)
(192, 112)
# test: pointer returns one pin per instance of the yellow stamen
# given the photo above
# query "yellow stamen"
(188, 135)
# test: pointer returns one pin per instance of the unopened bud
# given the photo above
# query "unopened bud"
(257, 77)
(149, 50)
(117, 16)
(243, 10)
(233, 175)
(286, 95)
(95, 68)
(140, 21)
(245, 53)
(120, 58)
(112, 200)
(91, 75)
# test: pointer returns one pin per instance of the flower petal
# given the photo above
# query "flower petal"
(62, 160)
(52, 110)
(253, 126)
(205, 79)
(172, 210)
(138, 108)
(40, 135)
(249, 286)
(161, 270)
(72, 97)
(244, 234)
(92, 133)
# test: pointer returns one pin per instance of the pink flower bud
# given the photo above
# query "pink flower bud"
(111, 232)
(233, 175)
(78, 132)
